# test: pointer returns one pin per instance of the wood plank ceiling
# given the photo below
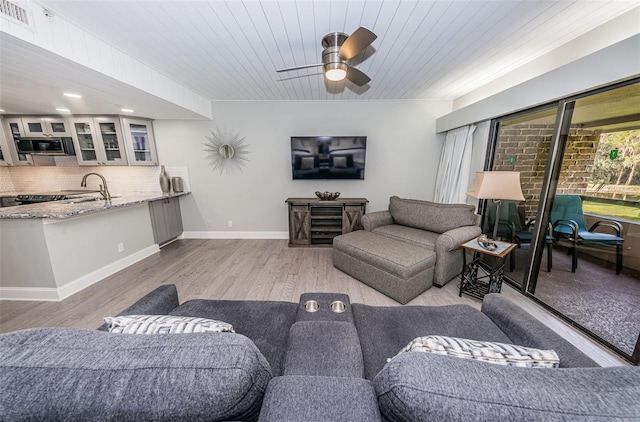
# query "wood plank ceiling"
(230, 50)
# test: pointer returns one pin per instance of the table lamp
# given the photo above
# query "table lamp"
(497, 185)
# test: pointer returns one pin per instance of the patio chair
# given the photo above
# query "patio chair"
(567, 220)
(511, 229)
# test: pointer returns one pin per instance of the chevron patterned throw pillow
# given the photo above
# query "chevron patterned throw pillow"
(498, 353)
(164, 324)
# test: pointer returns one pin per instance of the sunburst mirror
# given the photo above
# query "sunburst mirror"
(226, 150)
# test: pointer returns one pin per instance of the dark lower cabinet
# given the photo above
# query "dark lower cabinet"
(166, 219)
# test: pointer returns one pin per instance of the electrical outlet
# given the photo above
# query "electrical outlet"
(230, 223)
(120, 247)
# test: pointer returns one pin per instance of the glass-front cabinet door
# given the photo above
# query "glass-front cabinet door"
(140, 142)
(98, 141)
(15, 131)
(84, 139)
(111, 140)
(45, 127)
(6, 158)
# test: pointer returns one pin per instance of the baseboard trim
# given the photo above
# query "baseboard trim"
(63, 292)
(234, 235)
(40, 294)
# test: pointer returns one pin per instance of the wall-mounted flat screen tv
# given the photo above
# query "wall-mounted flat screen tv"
(328, 157)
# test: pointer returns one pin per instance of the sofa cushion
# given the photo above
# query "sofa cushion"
(418, 237)
(74, 374)
(383, 331)
(324, 348)
(425, 386)
(266, 323)
(164, 324)
(485, 351)
(431, 216)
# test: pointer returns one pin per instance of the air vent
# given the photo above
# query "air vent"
(13, 11)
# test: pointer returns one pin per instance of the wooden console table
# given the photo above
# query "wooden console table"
(313, 222)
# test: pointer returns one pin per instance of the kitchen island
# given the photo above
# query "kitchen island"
(51, 250)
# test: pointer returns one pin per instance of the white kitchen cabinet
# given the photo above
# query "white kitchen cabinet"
(98, 141)
(140, 142)
(166, 219)
(39, 127)
(13, 131)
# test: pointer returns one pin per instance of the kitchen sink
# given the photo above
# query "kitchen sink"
(82, 199)
(77, 191)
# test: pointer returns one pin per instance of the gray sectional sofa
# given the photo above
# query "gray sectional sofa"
(285, 363)
(406, 249)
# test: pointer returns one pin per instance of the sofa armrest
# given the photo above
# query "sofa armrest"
(53, 374)
(160, 301)
(450, 240)
(525, 330)
(376, 219)
(429, 387)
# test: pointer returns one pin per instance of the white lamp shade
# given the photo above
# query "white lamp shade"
(497, 185)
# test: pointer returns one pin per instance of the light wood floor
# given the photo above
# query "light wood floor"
(243, 270)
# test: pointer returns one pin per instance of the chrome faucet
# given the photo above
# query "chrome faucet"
(103, 190)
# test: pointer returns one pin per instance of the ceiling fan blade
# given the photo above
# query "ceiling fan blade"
(357, 77)
(304, 66)
(357, 42)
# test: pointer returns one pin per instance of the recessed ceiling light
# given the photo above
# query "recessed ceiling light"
(1, 110)
(71, 95)
(126, 110)
(63, 110)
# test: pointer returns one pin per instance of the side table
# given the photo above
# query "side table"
(476, 285)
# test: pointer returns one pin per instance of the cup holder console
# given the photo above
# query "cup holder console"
(311, 306)
(338, 306)
(324, 307)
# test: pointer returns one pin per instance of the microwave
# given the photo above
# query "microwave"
(45, 146)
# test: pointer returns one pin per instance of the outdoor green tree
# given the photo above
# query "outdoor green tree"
(623, 169)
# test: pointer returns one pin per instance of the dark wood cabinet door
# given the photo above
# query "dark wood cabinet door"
(351, 218)
(299, 225)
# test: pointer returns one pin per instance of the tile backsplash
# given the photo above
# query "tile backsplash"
(66, 176)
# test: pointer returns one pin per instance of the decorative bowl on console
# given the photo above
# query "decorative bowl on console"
(327, 196)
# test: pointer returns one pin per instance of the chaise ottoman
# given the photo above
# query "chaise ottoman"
(398, 269)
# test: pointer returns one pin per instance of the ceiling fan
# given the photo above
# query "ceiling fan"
(339, 48)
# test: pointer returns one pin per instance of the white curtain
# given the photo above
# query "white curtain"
(455, 164)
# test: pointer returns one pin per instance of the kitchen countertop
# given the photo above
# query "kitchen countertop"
(81, 205)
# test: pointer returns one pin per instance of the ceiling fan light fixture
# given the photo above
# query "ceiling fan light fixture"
(339, 48)
(335, 71)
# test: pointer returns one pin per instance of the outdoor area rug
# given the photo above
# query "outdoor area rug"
(594, 296)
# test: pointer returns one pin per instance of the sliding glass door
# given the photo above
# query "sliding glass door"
(580, 170)
(522, 144)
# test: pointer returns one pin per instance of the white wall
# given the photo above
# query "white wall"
(402, 158)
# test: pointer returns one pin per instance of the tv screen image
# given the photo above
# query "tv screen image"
(328, 157)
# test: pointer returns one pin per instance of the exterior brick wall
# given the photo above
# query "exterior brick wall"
(529, 146)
